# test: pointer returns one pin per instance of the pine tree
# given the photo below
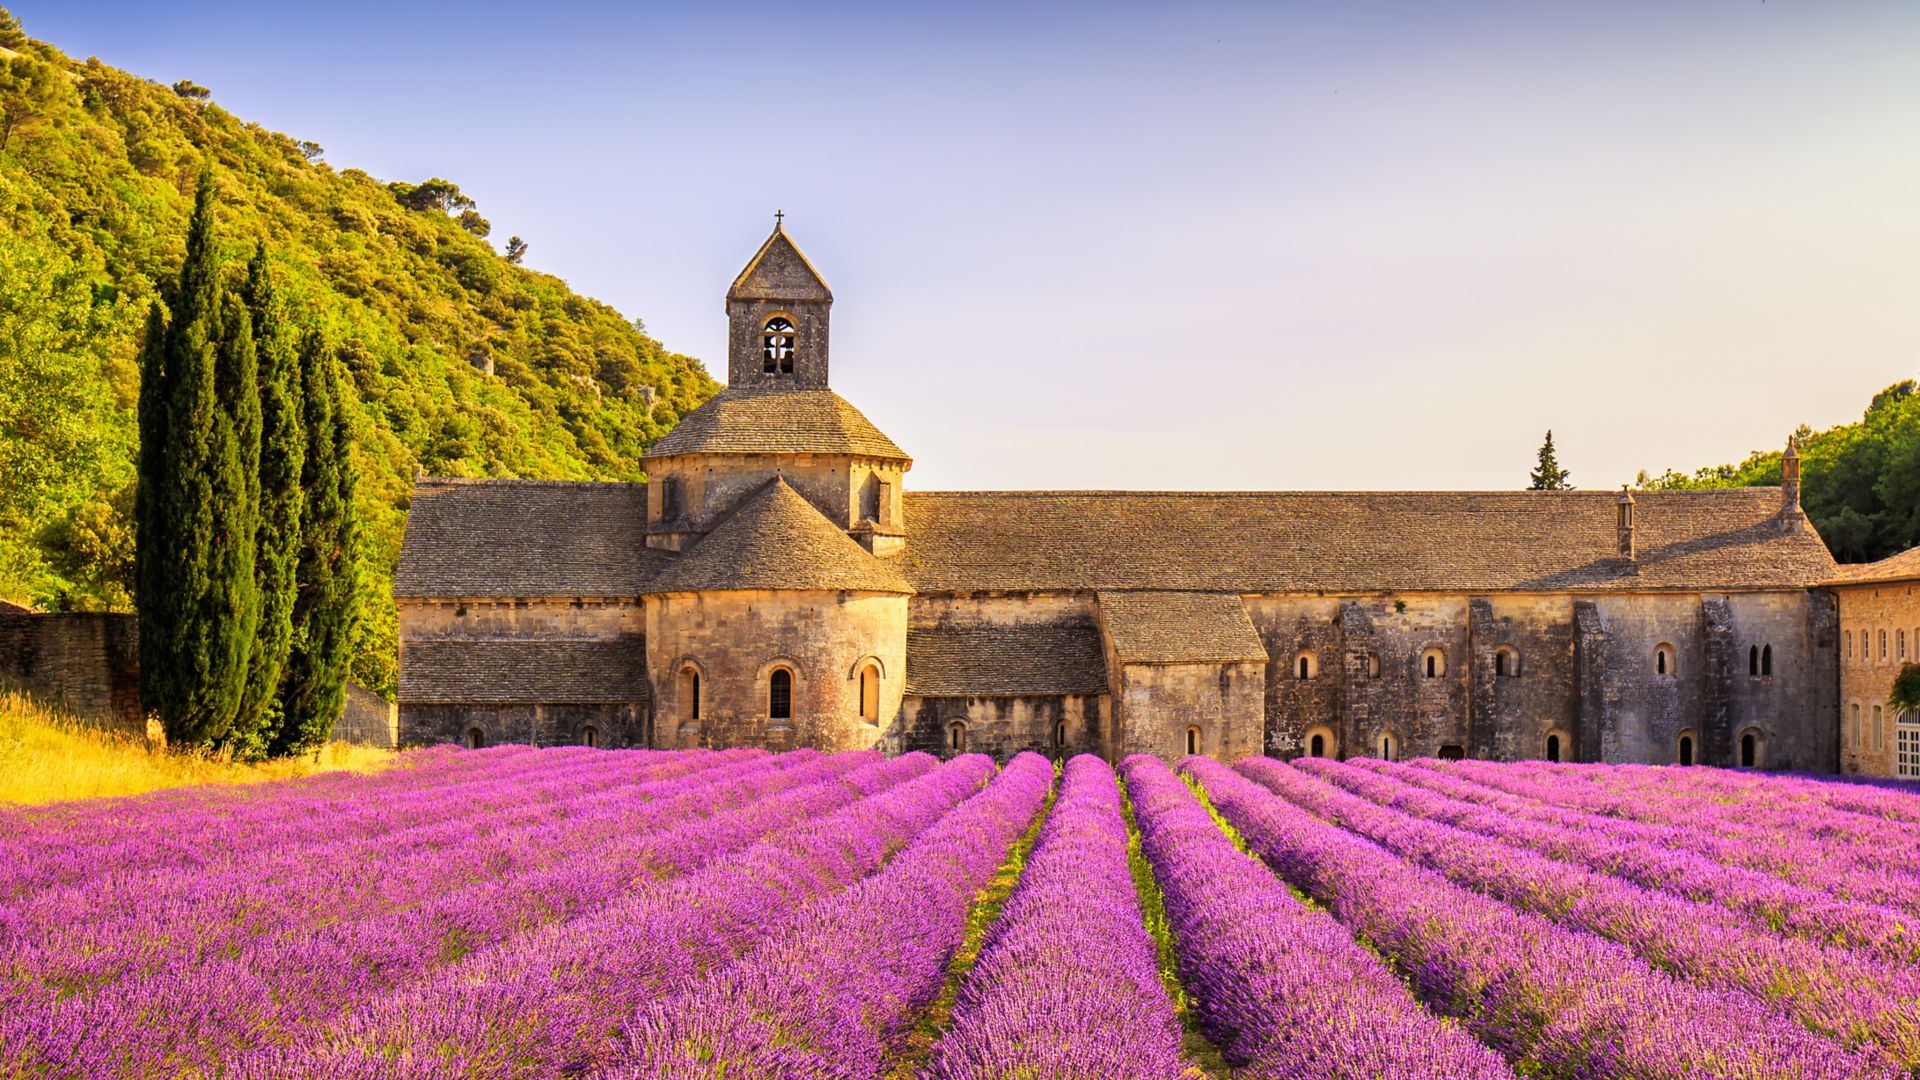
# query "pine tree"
(313, 686)
(277, 539)
(1548, 475)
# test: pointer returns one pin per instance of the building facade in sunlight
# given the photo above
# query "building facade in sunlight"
(776, 584)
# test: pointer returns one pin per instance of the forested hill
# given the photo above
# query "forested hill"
(97, 174)
(1859, 482)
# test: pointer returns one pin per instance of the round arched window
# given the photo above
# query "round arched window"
(777, 342)
(956, 736)
(476, 738)
(780, 695)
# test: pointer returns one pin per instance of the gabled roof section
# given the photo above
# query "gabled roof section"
(755, 420)
(1180, 628)
(778, 271)
(1354, 542)
(1902, 567)
(1006, 660)
(569, 671)
(525, 538)
(778, 540)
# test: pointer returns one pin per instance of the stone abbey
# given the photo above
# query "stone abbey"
(776, 584)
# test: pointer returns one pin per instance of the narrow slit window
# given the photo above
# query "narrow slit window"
(1686, 750)
(870, 694)
(1553, 748)
(1766, 661)
(589, 736)
(956, 736)
(780, 695)
(476, 738)
(1193, 740)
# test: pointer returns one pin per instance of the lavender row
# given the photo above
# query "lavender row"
(218, 838)
(1626, 850)
(1554, 1001)
(251, 990)
(1849, 996)
(1766, 839)
(182, 910)
(1068, 983)
(1282, 989)
(1743, 807)
(551, 1003)
(831, 994)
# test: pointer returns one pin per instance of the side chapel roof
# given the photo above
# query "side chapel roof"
(776, 539)
(525, 538)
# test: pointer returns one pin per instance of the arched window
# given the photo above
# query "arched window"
(1663, 660)
(1433, 663)
(776, 346)
(1849, 636)
(1317, 746)
(1686, 748)
(1852, 734)
(1750, 749)
(690, 692)
(1766, 661)
(589, 736)
(1876, 729)
(870, 694)
(1193, 740)
(1060, 734)
(957, 737)
(1753, 659)
(780, 695)
(476, 738)
(1506, 662)
(1388, 747)
(1306, 666)
(1373, 665)
(1553, 748)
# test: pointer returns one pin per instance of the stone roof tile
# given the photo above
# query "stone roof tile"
(571, 671)
(525, 538)
(1180, 628)
(1352, 542)
(1002, 660)
(776, 539)
(767, 420)
(1902, 567)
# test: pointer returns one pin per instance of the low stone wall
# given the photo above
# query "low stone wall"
(85, 662)
(368, 720)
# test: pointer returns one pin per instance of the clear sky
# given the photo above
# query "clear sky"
(1285, 245)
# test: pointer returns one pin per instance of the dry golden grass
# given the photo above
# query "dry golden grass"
(47, 755)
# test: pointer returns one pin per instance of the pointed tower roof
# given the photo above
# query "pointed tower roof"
(757, 421)
(778, 540)
(778, 271)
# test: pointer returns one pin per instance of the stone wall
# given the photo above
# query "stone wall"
(368, 720)
(614, 726)
(1002, 726)
(526, 618)
(845, 489)
(1513, 671)
(1157, 705)
(735, 640)
(1869, 614)
(87, 662)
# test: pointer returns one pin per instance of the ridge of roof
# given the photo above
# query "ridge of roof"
(778, 237)
(764, 420)
(1900, 566)
(504, 481)
(1341, 492)
(776, 539)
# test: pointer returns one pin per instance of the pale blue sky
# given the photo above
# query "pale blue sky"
(1307, 245)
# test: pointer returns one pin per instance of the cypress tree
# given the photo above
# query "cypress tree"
(231, 604)
(313, 686)
(1547, 475)
(277, 538)
(182, 655)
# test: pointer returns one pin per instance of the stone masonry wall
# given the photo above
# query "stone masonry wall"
(614, 726)
(1001, 726)
(1869, 614)
(736, 639)
(88, 662)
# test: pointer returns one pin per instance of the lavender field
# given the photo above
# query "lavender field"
(572, 912)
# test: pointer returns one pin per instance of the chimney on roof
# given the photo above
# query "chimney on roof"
(1790, 512)
(1623, 523)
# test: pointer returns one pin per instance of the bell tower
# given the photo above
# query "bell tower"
(777, 320)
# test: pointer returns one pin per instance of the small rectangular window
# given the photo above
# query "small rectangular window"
(669, 498)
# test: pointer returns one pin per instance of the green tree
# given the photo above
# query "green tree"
(434, 194)
(475, 225)
(1548, 475)
(11, 36)
(277, 538)
(191, 90)
(1905, 697)
(193, 631)
(313, 687)
(517, 250)
(29, 89)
